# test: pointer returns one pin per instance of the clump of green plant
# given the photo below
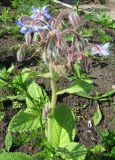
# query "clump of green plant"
(55, 121)
(104, 150)
(103, 21)
(58, 133)
(6, 15)
(23, 8)
(103, 37)
(7, 18)
(102, 18)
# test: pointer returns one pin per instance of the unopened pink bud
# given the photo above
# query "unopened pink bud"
(45, 112)
(74, 19)
(28, 38)
(21, 53)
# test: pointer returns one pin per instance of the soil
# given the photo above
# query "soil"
(103, 76)
(5, 43)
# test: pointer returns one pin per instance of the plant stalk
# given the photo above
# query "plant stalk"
(53, 105)
(54, 90)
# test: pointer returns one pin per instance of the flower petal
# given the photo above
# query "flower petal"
(19, 23)
(104, 53)
(105, 46)
(33, 16)
(24, 30)
(36, 29)
(34, 9)
(45, 9)
(47, 16)
(45, 27)
(95, 50)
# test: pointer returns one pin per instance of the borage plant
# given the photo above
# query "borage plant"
(55, 121)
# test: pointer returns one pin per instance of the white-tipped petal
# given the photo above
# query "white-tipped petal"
(45, 9)
(105, 46)
(104, 53)
(24, 30)
(33, 16)
(34, 9)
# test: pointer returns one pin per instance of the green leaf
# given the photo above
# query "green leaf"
(73, 151)
(11, 69)
(14, 156)
(27, 74)
(68, 38)
(63, 127)
(37, 97)
(24, 121)
(107, 94)
(97, 149)
(45, 75)
(97, 116)
(8, 141)
(3, 82)
(2, 150)
(113, 152)
(79, 87)
(36, 91)
(113, 25)
(78, 69)
(23, 77)
(2, 116)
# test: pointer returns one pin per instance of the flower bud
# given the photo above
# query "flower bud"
(45, 112)
(74, 19)
(28, 37)
(81, 45)
(21, 53)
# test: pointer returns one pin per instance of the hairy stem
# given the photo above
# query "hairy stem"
(53, 104)
(41, 126)
(54, 90)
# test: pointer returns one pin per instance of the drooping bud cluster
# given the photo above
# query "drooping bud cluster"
(32, 25)
(52, 34)
(74, 18)
(21, 53)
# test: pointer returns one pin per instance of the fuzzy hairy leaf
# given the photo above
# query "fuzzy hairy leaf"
(14, 156)
(38, 96)
(73, 151)
(97, 116)
(23, 78)
(63, 127)
(24, 121)
(80, 88)
(8, 141)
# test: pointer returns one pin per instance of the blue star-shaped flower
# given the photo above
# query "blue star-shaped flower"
(38, 13)
(30, 28)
